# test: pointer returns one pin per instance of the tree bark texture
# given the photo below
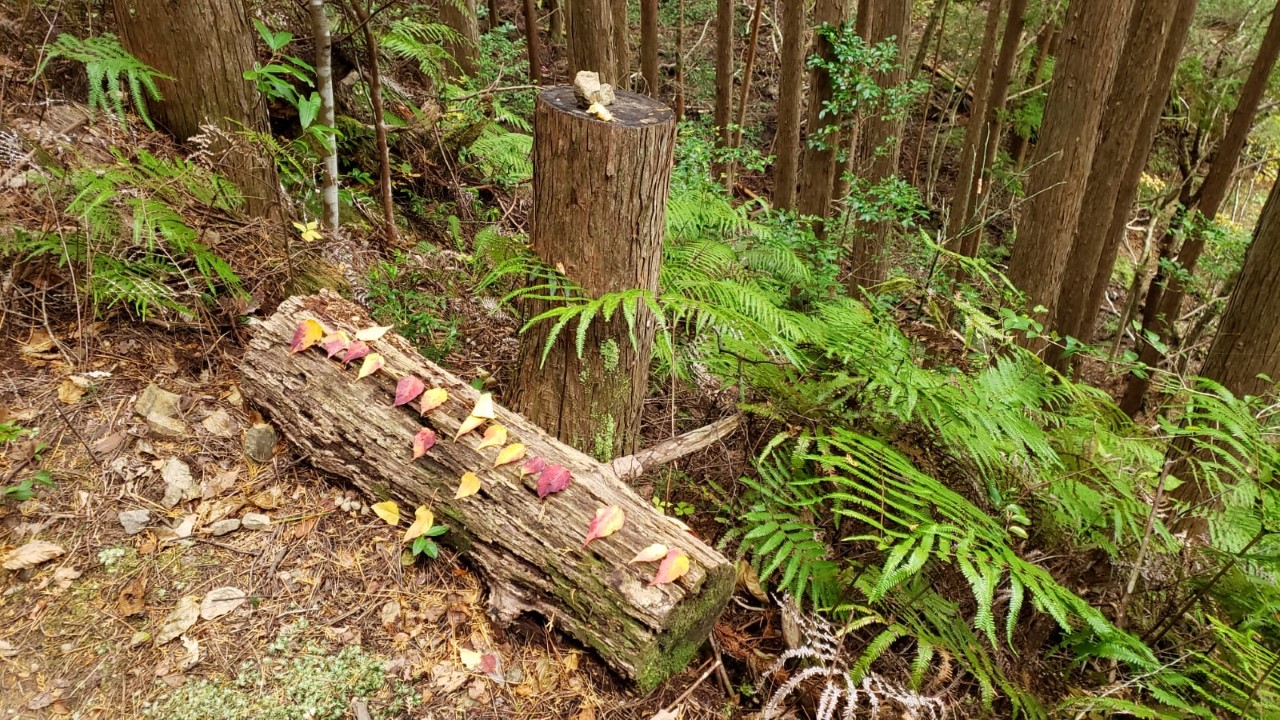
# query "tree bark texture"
(649, 47)
(748, 70)
(930, 25)
(206, 46)
(599, 210)
(591, 35)
(1046, 39)
(972, 152)
(790, 92)
(1165, 301)
(532, 41)
(1132, 93)
(1086, 62)
(461, 16)
(392, 234)
(880, 141)
(324, 85)
(528, 550)
(622, 43)
(724, 84)
(817, 169)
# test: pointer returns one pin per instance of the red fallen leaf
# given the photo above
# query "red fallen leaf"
(673, 566)
(307, 333)
(606, 522)
(355, 351)
(407, 389)
(335, 342)
(488, 663)
(432, 399)
(494, 436)
(553, 479)
(372, 364)
(532, 465)
(423, 441)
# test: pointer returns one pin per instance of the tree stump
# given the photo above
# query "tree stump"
(599, 213)
(529, 551)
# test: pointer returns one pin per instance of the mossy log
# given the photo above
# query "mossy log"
(529, 551)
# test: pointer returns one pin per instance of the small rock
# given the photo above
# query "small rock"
(134, 521)
(221, 424)
(255, 521)
(157, 401)
(588, 89)
(222, 527)
(179, 486)
(260, 443)
(167, 426)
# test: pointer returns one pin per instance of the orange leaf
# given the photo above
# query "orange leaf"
(407, 389)
(423, 519)
(484, 406)
(355, 351)
(432, 399)
(370, 334)
(470, 485)
(307, 333)
(605, 523)
(494, 436)
(372, 364)
(471, 423)
(653, 553)
(422, 442)
(509, 454)
(673, 566)
(335, 342)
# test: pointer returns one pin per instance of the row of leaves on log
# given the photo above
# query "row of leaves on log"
(552, 478)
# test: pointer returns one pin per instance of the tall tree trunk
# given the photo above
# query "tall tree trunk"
(1248, 341)
(930, 25)
(880, 142)
(787, 144)
(599, 207)
(460, 15)
(590, 29)
(972, 152)
(819, 164)
(379, 122)
(1001, 75)
(748, 67)
(1132, 93)
(680, 61)
(533, 42)
(850, 134)
(555, 21)
(324, 85)
(649, 46)
(1159, 315)
(206, 46)
(724, 84)
(1093, 34)
(1048, 36)
(622, 43)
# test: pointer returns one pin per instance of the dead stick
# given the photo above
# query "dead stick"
(674, 448)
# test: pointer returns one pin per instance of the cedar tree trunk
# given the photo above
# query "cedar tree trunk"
(590, 30)
(599, 207)
(817, 170)
(461, 16)
(206, 46)
(724, 85)
(1092, 36)
(972, 153)
(649, 46)
(791, 89)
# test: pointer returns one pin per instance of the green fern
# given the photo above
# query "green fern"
(424, 44)
(111, 69)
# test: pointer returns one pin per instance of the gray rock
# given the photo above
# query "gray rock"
(178, 483)
(260, 443)
(221, 424)
(134, 521)
(157, 401)
(255, 521)
(222, 527)
(588, 89)
(167, 426)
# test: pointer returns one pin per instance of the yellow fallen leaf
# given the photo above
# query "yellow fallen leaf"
(372, 363)
(653, 553)
(471, 423)
(432, 399)
(370, 334)
(484, 407)
(388, 511)
(510, 453)
(494, 436)
(70, 391)
(470, 485)
(307, 333)
(606, 522)
(675, 565)
(423, 519)
(470, 658)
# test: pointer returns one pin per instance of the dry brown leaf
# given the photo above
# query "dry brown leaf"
(220, 601)
(180, 619)
(133, 597)
(32, 554)
(70, 392)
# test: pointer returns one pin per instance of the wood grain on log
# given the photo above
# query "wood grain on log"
(529, 551)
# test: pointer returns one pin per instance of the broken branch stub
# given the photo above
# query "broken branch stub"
(529, 551)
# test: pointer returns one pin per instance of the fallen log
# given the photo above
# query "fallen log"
(529, 551)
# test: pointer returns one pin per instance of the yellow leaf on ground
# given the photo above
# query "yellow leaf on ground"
(653, 553)
(423, 519)
(510, 453)
(307, 333)
(470, 485)
(372, 363)
(673, 566)
(606, 522)
(470, 658)
(494, 436)
(432, 399)
(389, 511)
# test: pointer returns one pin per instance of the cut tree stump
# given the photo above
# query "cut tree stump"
(599, 215)
(529, 551)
